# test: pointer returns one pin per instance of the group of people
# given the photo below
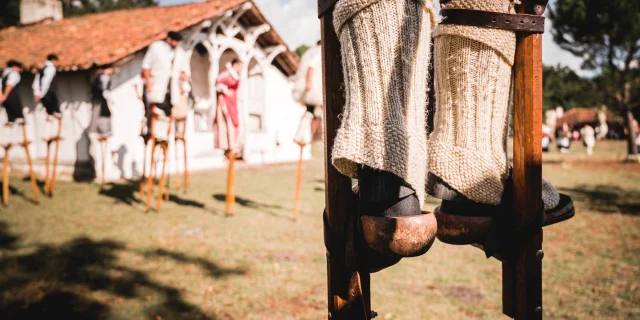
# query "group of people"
(43, 92)
(165, 92)
(564, 137)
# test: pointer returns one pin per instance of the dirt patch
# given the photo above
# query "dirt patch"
(465, 294)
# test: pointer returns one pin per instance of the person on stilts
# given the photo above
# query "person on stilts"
(307, 91)
(12, 103)
(101, 97)
(163, 67)
(226, 123)
(45, 93)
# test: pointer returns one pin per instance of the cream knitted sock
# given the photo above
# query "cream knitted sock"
(386, 50)
(472, 81)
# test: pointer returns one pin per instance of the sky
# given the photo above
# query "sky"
(296, 21)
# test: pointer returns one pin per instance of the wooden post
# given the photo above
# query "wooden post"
(296, 202)
(32, 176)
(164, 146)
(5, 176)
(348, 290)
(186, 170)
(103, 152)
(177, 173)
(231, 185)
(47, 160)
(144, 168)
(55, 157)
(150, 177)
(522, 270)
(152, 139)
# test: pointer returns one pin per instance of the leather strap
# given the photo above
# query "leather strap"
(495, 20)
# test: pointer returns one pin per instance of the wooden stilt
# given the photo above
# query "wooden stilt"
(55, 158)
(168, 177)
(5, 176)
(164, 147)
(348, 286)
(165, 158)
(151, 176)
(231, 196)
(32, 176)
(177, 165)
(186, 168)
(47, 160)
(144, 169)
(103, 151)
(152, 139)
(298, 182)
(522, 270)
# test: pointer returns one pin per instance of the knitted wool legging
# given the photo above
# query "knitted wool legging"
(385, 55)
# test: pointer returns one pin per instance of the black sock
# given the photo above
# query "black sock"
(383, 194)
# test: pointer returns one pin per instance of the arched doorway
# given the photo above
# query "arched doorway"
(200, 65)
(256, 97)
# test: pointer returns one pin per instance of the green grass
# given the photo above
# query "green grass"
(92, 254)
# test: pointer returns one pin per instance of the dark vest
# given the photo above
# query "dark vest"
(13, 101)
(52, 86)
(98, 97)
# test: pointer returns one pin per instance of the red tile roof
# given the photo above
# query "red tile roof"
(579, 116)
(97, 39)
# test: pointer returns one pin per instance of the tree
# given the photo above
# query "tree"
(606, 35)
(301, 49)
(72, 8)
(9, 13)
(563, 87)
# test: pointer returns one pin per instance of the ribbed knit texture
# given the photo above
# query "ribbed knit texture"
(385, 55)
(472, 82)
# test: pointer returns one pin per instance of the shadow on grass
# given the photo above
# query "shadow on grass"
(606, 199)
(185, 202)
(7, 239)
(122, 192)
(57, 282)
(247, 202)
(15, 192)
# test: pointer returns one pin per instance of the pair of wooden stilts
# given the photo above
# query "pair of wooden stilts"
(50, 175)
(148, 181)
(5, 176)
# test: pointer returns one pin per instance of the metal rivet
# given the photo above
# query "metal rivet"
(373, 314)
(538, 309)
(540, 254)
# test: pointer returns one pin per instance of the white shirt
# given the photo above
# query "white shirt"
(49, 73)
(13, 78)
(158, 49)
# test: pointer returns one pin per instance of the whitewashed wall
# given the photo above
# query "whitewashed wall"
(79, 151)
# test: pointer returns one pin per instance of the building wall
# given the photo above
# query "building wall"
(80, 156)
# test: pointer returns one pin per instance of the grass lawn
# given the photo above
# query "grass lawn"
(92, 254)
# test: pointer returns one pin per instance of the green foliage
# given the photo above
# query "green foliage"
(606, 35)
(79, 7)
(301, 49)
(563, 87)
(9, 13)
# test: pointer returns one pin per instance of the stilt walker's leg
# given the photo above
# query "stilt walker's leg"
(151, 175)
(55, 158)
(186, 168)
(231, 188)
(165, 150)
(34, 183)
(47, 176)
(164, 162)
(298, 181)
(5, 177)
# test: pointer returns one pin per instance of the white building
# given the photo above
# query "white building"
(214, 31)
